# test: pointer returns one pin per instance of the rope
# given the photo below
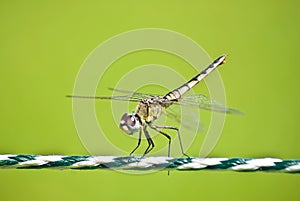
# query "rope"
(148, 163)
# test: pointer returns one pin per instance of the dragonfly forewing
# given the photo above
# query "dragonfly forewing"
(118, 98)
(194, 100)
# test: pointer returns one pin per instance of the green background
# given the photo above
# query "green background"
(44, 43)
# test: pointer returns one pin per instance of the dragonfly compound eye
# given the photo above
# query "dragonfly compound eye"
(130, 123)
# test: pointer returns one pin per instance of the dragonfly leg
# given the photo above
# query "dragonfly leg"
(156, 128)
(150, 142)
(139, 142)
(178, 133)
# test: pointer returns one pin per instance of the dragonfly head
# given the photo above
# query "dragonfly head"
(130, 123)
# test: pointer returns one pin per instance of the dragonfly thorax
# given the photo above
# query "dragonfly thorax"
(149, 110)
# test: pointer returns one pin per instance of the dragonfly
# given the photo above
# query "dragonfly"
(150, 107)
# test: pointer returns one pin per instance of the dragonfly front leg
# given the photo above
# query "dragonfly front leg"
(150, 141)
(157, 128)
(139, 142)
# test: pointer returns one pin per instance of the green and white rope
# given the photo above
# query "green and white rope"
(147, 163)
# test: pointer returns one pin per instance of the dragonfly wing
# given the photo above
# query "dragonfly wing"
(119, 98)
(130, 96)
(188, 119)
(134, 94)
(203, 102)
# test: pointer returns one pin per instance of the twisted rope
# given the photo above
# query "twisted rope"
(147, 163)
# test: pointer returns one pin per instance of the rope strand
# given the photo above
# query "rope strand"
(147, 163)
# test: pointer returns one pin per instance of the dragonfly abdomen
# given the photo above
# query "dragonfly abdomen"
(180, 91)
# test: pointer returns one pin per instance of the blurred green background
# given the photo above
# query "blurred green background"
(44, 43)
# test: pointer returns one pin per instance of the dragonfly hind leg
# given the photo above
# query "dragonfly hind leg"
(157, 129)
